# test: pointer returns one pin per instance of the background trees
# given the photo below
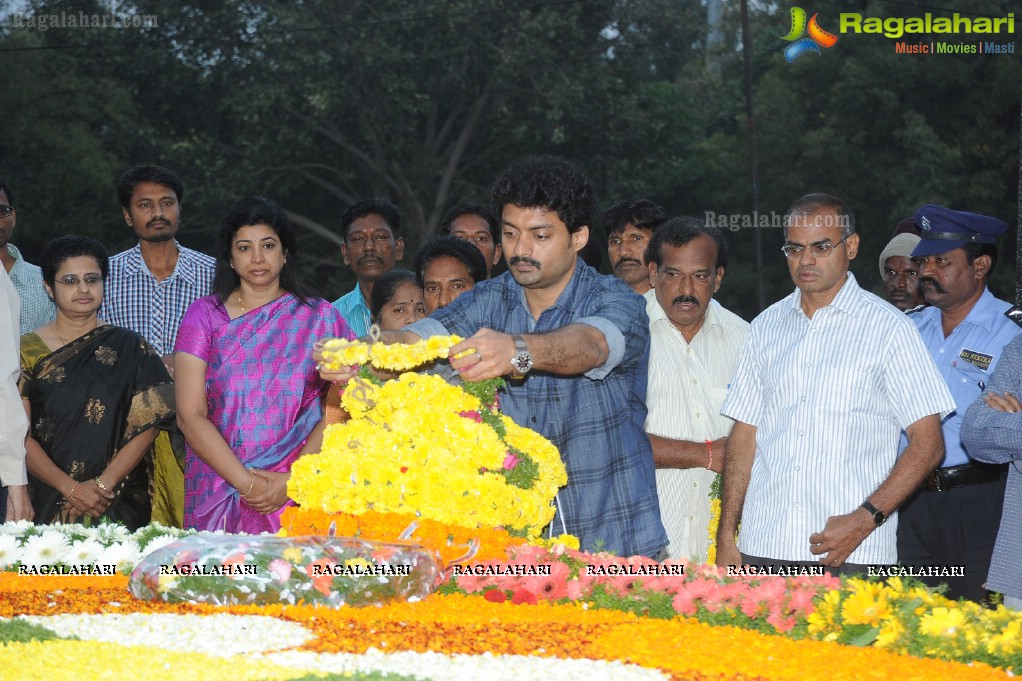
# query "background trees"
(317, 104)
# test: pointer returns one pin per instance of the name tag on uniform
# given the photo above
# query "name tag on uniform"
(977, 358)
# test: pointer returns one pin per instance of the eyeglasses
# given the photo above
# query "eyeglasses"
(820, 249)
(5, 211)
(73, 280)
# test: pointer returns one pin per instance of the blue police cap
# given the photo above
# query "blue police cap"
(944, 229)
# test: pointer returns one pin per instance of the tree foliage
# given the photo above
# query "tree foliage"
(317, 104)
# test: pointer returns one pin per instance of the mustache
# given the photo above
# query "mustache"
(932, 282)
(622, 261)
(156, 221)
(678, 300)
(367, 258)
(521, 258)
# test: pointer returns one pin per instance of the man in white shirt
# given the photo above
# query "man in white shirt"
(694, 347)
(14, 502)
(819, 401)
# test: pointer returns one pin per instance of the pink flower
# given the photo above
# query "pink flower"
(471, 415)
(801, 600)
(469, 583)
(552, 587)
(683, 602)
(510, 461)
(779, 623)
(280, 570)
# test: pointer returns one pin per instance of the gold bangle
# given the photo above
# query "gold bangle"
(99, 484)
(245, 495)
(72, 492)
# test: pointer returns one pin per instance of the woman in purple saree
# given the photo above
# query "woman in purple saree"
(250, 398)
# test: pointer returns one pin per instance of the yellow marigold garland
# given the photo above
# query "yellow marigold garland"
(419, 446)
(337, 353)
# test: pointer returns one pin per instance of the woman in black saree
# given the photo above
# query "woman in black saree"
(94, 394)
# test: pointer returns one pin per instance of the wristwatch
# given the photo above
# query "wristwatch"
(878, 516)
(521, 361)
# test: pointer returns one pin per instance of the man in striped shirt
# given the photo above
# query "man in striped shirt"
(148, 291)
(820, 398)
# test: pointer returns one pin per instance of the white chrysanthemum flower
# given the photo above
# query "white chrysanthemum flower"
(124, 555)
(47, 548)
(16, 528)
(10, 550)
(112, 532)
(158, 543)
(85, 552)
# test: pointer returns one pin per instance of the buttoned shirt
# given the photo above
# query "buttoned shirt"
(966, 359)
(829, 397)
(687, 385)
(596, 419)
(136, 300)
(996, 437)
(13, 421)
(353, 308)
(37, 307)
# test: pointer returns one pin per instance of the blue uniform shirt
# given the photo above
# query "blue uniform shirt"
(966, 359)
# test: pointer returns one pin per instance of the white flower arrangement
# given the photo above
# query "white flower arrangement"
(24, 545)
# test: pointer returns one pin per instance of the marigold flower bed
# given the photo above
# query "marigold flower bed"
(458, 624)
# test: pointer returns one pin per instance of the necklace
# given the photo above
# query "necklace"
(241, 303)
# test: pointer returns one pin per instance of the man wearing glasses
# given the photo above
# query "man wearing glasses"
(36, 307)
(819, 400)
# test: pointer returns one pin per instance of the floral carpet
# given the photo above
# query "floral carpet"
(615, 619)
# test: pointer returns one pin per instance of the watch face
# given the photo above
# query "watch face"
(522, 362)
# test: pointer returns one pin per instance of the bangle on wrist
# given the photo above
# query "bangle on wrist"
(709, 450)
(72, 492)
(99, 484)
(251, 485)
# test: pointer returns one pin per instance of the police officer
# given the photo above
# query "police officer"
(953, 519)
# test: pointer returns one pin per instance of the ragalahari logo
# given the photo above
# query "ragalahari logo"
(817, 36)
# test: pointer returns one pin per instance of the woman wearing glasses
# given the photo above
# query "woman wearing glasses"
(94, 394)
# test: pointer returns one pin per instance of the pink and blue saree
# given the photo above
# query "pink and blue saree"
(263, 395)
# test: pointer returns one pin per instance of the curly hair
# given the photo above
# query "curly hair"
(549, 182)
(71, 246)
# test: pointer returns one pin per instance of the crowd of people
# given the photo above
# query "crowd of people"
(851, 432)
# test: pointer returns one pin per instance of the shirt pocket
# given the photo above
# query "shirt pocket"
(964, 374)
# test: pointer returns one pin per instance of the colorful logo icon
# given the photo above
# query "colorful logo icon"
(817, 36)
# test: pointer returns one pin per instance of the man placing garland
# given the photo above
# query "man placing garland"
(574, 346)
